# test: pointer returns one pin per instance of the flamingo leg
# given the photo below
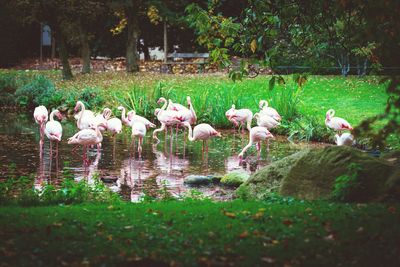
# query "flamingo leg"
(258, 150)
(57, 149)
(206, 145)
(51, 148)
(170, 142)
(140, 146)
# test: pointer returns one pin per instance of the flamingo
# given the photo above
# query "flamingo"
(53, 129)
(87, 137)
(336, 123)
(102, 118)
(139, 131)
(346, 139)
(265, 110)
(167, 118)
(202, 131)
(41, 116)
(114, 125)
(257, 134)
(266, 121)
(241, 116)
(85, 117)
(176, 106)
(132, 117)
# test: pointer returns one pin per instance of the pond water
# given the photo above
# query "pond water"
(162, 166)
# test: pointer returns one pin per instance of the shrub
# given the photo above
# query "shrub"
(39, 91)
(8, 85)
(92, 98)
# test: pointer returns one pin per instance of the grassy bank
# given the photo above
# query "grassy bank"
(188, 233)
(303, 109)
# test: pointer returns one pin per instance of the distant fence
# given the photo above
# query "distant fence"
(332, 70)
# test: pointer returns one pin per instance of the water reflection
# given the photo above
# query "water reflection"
(162, 167)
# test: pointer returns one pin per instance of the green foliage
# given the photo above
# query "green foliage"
(345, 185)
(39, 91)
(92, 97)
(20, 191)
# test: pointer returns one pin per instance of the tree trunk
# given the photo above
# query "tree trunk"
(85, 49)
(146, 51)
(63, 51)
(131, 45)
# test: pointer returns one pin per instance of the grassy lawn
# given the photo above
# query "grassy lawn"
(188, 233)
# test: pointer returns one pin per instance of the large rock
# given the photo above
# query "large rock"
(310, 174)
(197, 180)
(235, 178)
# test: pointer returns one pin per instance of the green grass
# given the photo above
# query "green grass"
(291, 233)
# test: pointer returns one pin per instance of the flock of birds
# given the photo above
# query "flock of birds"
(170, 115)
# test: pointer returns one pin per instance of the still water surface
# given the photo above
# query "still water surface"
(160, 166)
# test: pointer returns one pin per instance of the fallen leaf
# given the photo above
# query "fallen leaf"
(244, 234)
(267, 259)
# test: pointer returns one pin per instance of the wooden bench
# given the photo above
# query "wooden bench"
(174, 59)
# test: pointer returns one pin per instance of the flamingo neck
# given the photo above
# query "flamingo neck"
(123, 116)
(193, 112)
(81, 114)
(164, 107)
(190, 136)
(52, 115)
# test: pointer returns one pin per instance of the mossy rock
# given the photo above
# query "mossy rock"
(235, 178)
(311, 174)
(197, 180)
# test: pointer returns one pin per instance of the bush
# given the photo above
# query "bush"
(39, 91)
(8, 86)
(92, 98)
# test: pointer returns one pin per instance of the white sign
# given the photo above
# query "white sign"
(46, 35)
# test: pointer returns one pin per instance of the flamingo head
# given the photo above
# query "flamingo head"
(107, 113)
(240, 158)
(161, 99)
(263, 103)
(218, 134)
(329, 114)
(131, 114)
(157, 111)
(256, 116)
(78, 104)
(121, 108)
(189, 101)
(59, 115)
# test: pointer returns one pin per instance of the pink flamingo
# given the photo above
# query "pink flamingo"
(202, 131)
(265, 110)
(336, 123)
(87, 137)
(53, 130)
(188, 115)
(168, 118)
(41, 116)
(103, 117)
(266, 121)
(139, 131)
(85, 117)
(257, 134)
(114, 125)
(132, 117)
(241, 116)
